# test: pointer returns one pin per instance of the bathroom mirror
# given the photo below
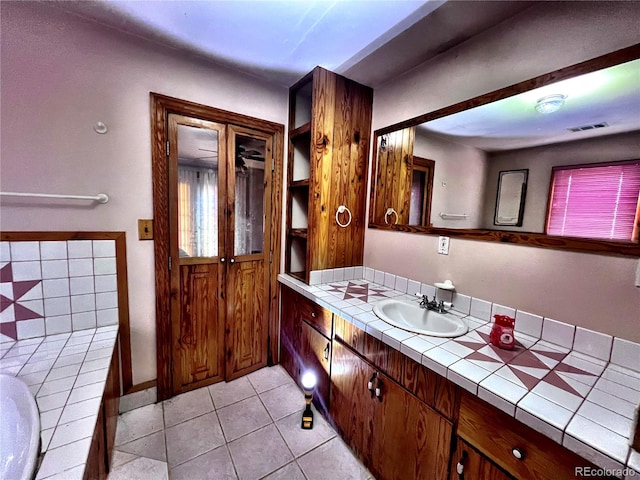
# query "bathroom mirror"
(493, 155)
(512, 192)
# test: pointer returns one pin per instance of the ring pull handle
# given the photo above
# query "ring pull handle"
(343, 209)
(390, 211)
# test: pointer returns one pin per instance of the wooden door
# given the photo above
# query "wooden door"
(315, 356)
(474, 465)
(248, 204)
(352, 406)
(197, 219)
(411, 440)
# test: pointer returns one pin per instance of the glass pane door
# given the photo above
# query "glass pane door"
(249, 195)
(198, 194)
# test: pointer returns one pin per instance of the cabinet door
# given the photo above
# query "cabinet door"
(411, 440)
(289, 333)
(352, 406)
(315, 356)
(474, 465)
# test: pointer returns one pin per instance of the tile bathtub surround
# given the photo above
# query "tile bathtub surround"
(66, 373)
(52, 287)
(245, 429)
(574, 385)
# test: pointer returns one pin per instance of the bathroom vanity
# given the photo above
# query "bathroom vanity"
(402, 418)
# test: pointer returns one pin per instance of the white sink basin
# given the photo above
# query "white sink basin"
(416, 319)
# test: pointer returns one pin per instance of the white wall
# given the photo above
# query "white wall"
(593, 291)
(458, 180)
(61, 74)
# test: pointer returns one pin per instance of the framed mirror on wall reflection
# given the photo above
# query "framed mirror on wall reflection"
(512, 192)
(492, 158)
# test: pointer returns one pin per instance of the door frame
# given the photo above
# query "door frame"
(161, 107)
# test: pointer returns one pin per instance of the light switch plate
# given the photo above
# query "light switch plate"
(145, 229)
(443, 245)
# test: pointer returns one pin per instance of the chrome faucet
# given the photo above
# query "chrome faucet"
(433, 304)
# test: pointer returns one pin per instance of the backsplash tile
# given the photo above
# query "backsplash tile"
(593, 343)
(529, 324)
(53, 287)
(626, 354)
(480, 309)
(558, 333)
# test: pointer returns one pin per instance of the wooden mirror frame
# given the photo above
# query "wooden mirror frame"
(532, 239)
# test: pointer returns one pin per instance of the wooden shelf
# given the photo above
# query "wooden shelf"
(298, 232)
(301, 130)
(299, 183)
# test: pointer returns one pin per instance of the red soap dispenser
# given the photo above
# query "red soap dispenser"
(502, 332)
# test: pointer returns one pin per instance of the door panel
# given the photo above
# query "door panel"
(197, 174)
(248, 199)
(246, 340)
(200, 333)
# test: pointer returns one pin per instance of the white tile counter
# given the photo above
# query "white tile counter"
(67, 375)
(576, 386)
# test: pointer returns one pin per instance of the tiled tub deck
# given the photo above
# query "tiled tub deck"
(67, 374)
(576, 386)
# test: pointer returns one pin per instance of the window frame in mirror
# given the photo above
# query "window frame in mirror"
(517, 220)
(532, 239)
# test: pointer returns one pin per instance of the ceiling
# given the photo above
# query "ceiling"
(280, 41)
(610, 96)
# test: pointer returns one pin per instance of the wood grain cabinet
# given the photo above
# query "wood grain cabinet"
(329, 133)
(396, 435)
(306, 330)
(512, 446)
(104, 434)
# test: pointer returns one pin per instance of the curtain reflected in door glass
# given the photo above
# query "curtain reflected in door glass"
(197, 192)
(249, 195)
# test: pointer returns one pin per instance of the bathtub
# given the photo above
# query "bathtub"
(19, 430)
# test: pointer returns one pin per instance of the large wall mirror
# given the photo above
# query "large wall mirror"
(518, 165)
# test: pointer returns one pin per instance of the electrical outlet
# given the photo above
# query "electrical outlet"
(443, 245)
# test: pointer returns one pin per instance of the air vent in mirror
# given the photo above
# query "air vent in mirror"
(588, 127)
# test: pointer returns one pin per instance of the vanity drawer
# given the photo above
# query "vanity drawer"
(496, 435)
(316, 316)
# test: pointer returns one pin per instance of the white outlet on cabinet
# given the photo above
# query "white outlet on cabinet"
(443, 245)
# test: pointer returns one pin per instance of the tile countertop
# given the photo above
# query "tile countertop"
(576, 386)
(67, 374)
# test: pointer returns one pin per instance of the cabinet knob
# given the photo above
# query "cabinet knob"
(232, 260)
(313, 314)
(519, 454)
(460, 465)
(325, 352)
(222, 259)
(379, 390)
(370, 384)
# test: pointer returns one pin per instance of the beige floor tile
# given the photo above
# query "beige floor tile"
(213, 465)
(301, 441)
(140, 469)
(268, 378)
(139, 423)
(259, 453)
(138, 399)
(226, 393)
(187, 406)
(120, 458)
(332, 460)
(151, 446)
(243, 417)
(290, 471)
(193, 438)
(283, 400)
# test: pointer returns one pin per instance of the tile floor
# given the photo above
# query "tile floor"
(247, 429)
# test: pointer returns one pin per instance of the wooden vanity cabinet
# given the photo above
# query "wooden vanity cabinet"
(502, 438)
(396, 435)
(104, 434)
(329, 133)
(306, 330)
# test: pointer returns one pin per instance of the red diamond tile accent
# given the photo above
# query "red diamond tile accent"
(4, 303)
(553, 379)
(528, 359)
(21, 288)
(9, 329)
(23, 313)
(553, 355)
(563, 367)
(6, 273)
(528, 381)
(481, 357)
